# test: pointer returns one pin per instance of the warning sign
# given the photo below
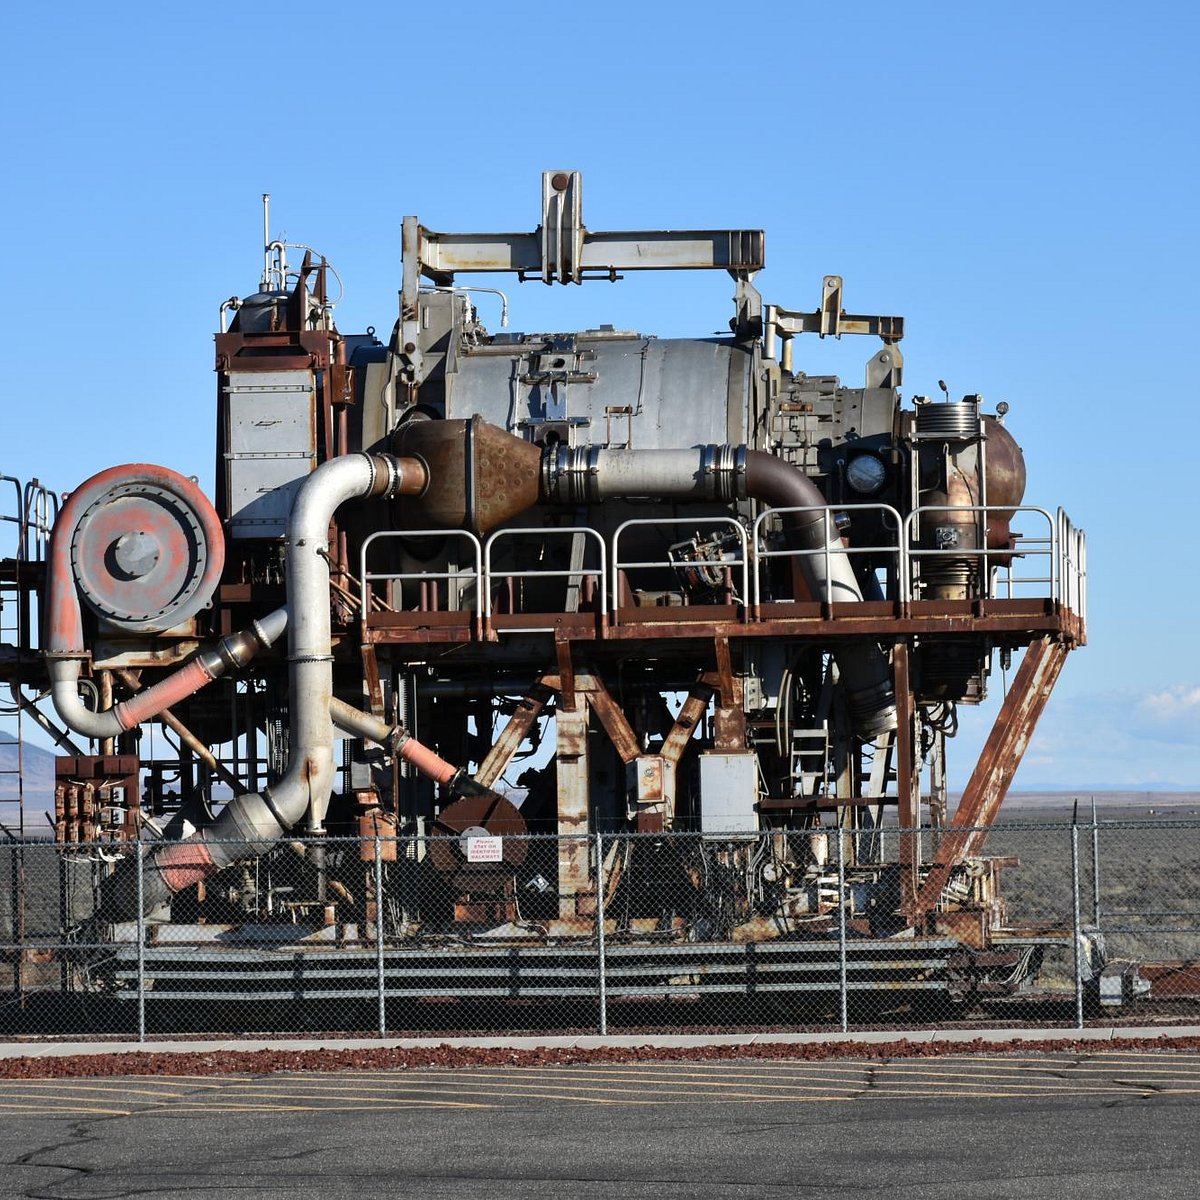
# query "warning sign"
(485, 849)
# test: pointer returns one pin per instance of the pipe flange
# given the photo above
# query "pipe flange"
(571, 475)
(723, 472)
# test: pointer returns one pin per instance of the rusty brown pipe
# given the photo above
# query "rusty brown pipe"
(188, 738)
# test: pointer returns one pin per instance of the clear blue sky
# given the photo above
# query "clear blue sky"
(1018, 180)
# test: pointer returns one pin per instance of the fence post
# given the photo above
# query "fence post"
(602, 982)
(141, 946)
(841, 860)
(1095, 867)
(379, 977)
(1075, 925)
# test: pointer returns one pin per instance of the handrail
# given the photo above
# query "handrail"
(1063, 545)
(367, 578)
(1027, 547)
(826, 549)
(693, 522)
(599, 572)
(34, 512)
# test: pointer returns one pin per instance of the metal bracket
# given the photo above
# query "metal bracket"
(563, 250)
(831, 320)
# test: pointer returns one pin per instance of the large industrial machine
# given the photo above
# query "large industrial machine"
(464, 586)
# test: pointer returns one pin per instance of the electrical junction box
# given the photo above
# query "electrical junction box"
(728, 793)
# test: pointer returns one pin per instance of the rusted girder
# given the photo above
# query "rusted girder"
(612, 719)
(908, 777)
(694, 708)
(529, 708)
(1002, 754)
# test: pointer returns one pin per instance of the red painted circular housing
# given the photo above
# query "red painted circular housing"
(147, 547)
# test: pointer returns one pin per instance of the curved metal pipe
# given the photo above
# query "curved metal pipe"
(590, 475)
(250, 824)
(395, 738)
(230, 653)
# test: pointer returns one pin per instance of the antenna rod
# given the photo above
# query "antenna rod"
(266, 275)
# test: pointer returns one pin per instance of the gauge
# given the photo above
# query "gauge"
(866, 474)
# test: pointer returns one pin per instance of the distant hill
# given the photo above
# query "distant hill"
(39, 783)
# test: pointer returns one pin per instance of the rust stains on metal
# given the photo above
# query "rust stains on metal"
(611, 718)
(994, 771)
(529, 709)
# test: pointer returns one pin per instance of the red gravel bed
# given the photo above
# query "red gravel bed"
(265, 1062)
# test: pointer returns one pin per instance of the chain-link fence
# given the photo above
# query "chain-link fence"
(811, 928)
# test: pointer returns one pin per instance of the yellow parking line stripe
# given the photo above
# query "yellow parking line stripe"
(75, 1107)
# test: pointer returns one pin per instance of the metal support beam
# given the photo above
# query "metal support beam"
(574, 786)
(529, 708)
(694, 708)
(609, 713)
(908, 779)
(1002, 754)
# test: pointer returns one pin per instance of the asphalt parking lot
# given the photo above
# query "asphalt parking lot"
(1097, 1125)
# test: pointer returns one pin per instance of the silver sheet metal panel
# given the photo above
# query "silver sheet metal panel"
(272, 446)
(728, 792)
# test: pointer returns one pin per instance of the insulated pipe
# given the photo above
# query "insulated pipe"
(830, 577)
(230, 653)
(395, 738)
(591, 475)
(250, 824)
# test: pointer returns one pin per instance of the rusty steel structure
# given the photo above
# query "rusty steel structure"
(472, 585)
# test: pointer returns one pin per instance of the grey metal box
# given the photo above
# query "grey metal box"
(728, 792)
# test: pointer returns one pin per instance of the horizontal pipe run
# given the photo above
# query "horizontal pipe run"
(726, 473)
(393, 737)
(232, 652)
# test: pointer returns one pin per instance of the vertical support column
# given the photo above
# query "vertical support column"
(846, 781)
(937, 784)
(1095, 867)
(842, 999)
(908, 781)
(571, 743)
(602, 966)
(379, 975)
(1075, 925)
(141, 945)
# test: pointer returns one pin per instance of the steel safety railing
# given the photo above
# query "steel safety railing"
(1072, 553)
(502, 576)
(1050, 562)
(1043, 549)
(726, 563)
(459, 579)
(34, 509)
(829, 549)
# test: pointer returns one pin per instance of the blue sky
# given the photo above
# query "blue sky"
(1019, 181)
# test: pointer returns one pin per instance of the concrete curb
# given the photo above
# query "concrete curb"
(36, 1049)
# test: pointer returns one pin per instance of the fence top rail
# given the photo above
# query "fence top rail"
(1063, 825)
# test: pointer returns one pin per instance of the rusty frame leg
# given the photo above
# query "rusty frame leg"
(574, 794)
(674, 744)
(513, 734)
(608, 712)
(1002, 754)
(729, 721)
(908, 780)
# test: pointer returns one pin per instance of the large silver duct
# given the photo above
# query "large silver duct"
(252, 823)
(725, 473)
